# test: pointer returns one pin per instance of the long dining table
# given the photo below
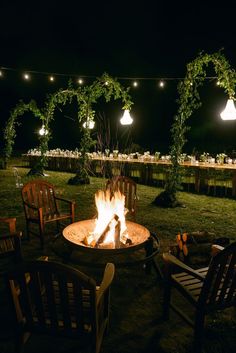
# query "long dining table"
(149, 171)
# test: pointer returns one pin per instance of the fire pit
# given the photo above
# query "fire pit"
(77, 233)
(110, 233)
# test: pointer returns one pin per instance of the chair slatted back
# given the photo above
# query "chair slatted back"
(127, 187)
(57, 299)
(10, 243)
(39, 193)
(219, 288)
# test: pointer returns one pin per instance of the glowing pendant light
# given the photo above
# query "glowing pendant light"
(229, 113)
(43, 131)
(89, 124)
(126, 118)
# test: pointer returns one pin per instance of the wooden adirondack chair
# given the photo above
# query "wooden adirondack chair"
(41, 207)
(129, 188)
(10, 255)
(208, 289)
(54, 299)
(10, 241)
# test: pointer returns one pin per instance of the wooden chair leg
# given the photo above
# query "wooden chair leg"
(27, 231)
(19, 344)
(198, 332)
(41, 235)
(166, 299)
(58, 226)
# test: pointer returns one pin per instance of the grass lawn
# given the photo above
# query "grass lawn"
(136, 324)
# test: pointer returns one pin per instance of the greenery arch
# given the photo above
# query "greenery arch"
(104, 86)
(86, 97)
(9, 133)
(189, 100)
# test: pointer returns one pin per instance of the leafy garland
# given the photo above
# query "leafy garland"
(106, 87)
(189, 100)
(9, 133)
(86, 97)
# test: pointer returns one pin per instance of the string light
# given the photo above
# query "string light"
(26, 76)
(161, 84)
(51, 78)
(82, 77)
(80, 81)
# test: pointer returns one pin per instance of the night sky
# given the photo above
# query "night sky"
(124, 39)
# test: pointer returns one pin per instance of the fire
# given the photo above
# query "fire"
(110, 222)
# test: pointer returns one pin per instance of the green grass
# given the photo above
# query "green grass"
(136, 298)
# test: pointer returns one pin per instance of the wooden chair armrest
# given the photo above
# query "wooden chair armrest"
(8, 219)
(42, 258)
(106, 281)
(215, 249)
(65, 200)
(11, 222)
(173, 261)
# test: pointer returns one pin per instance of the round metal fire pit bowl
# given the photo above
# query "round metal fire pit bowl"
(143, 249)
(76, 232)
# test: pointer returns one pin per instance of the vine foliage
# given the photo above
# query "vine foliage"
(86, 97)
(108, 88)
(10, 128)
(188, 101)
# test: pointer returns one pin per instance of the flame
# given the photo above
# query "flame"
(108, 205)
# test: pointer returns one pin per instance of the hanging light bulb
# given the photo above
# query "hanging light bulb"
(126, 118)
(89, 124)
(43, 131)
(229, 113)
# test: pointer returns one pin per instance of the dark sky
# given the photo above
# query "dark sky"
(124, 39)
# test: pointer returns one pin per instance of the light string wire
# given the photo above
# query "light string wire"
(161, 78)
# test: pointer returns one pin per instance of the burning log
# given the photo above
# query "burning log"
(111, 215)
(102, 237)
(117, 232)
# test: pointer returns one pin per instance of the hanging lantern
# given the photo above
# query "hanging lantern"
(43, 131)
(229, 113)
(126, 118)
